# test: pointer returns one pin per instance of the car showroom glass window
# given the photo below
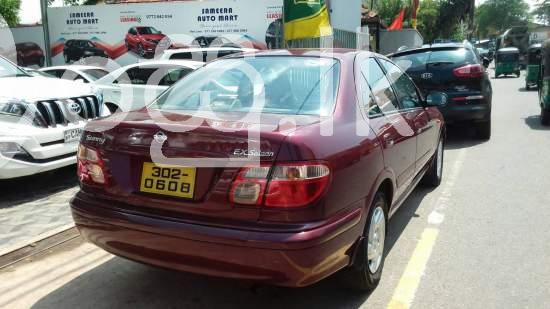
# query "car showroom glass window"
(9, 70)
(380, 86)
(404, 87)
(279, 85)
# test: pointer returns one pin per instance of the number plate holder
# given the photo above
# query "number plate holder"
(168, 180)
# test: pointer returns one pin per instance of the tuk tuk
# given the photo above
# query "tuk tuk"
(533, 64)
(544, 84)
(507, 61)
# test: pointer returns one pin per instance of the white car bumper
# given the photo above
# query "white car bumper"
(46, 149)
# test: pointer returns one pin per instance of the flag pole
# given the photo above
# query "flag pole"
(46, 31)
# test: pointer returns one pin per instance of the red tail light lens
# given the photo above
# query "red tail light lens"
(91, 168)
(288, 185)
(469, 71)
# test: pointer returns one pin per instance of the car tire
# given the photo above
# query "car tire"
(484, 130)
(434, 174)
(545, 117)
(140, 50)
(365, 273)
(526, 86)
(496, 76)
(66, 58)
(41, 62)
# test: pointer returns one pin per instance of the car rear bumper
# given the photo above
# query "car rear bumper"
(455, 113)
(280, 258)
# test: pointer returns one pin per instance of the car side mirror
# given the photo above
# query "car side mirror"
(436, 99)
(486, 62)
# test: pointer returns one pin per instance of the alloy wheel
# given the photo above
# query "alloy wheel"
(376, 239)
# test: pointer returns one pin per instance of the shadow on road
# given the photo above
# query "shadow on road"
(462, 136)
(534, 123)
(30, 188)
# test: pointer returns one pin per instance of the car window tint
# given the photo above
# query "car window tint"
(96, 74)
(380, 86)
(195, 56)
(403, 86)
(173, 75)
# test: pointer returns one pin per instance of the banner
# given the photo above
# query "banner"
(306, 19)
(129, 33)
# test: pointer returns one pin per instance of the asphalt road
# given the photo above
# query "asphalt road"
(480, 240)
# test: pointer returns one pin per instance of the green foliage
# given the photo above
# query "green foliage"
(542, 10)
(9, 11)
(428, 17)
(495, 16)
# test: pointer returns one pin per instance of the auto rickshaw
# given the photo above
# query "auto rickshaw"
(507, 61)
(544, 84)
(533, 65)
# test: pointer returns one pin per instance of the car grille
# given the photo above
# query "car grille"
(63, 112)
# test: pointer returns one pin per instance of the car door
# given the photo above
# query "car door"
(394, 131)
(412, 109)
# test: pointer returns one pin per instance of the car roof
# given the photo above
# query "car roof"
(429, 47)
(207, 49)
(74, 67)
(186, 63)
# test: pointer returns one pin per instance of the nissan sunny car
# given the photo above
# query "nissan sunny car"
(311, 153)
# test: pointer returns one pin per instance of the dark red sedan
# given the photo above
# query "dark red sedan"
(281, 167)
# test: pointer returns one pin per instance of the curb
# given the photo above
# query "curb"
(32, 241)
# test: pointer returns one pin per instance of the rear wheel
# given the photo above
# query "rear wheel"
(484, 130)
(545, 117)
(526, 86)
(67, 59)
(518, 74)
(141, 50)
(435, 172)
(366, 272)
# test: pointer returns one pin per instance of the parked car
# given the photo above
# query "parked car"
(75, 50)
(143, 40)
(213, 41)
(454, 69)
(41, 120)
(83, 73)
(29, 53)
(35, 73)
(202, 54)
(316, 203)
(133, 86)
(544, 84)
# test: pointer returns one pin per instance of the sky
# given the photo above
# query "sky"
(30, 9)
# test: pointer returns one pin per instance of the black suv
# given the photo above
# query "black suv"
(76, 49)
(459, 71)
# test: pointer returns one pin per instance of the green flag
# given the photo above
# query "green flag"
(306, 19)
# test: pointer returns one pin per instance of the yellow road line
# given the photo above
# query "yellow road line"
(403, 295)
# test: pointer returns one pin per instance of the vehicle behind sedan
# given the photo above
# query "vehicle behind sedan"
(229, 172)
(41, 120)
(455, 70)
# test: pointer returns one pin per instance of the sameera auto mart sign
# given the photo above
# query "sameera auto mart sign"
(106, 27)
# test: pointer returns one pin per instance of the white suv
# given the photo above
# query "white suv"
(41, 120)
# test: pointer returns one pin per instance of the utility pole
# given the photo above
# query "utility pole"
(46, 29)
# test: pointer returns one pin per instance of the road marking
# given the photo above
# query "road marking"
(405, 292)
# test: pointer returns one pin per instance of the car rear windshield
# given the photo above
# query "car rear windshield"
(421, 58)
(147, 30)
(96, 74)
(278, 85)
(203, 56)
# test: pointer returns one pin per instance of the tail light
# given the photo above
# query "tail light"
(469, 71)
(91, 169)
(283, 186)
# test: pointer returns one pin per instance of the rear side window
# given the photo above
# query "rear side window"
(148, 75)
(404, 87)
(195, 56)
(380, 85)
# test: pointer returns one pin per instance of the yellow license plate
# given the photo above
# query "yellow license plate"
(168, 180)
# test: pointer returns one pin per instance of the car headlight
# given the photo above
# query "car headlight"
(13, 150)
(13, 106)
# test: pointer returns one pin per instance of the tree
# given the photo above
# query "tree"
(428, 16)
(495, 16)
(542, 11)
(9, 10)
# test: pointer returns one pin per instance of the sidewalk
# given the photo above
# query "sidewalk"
(35, 208)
